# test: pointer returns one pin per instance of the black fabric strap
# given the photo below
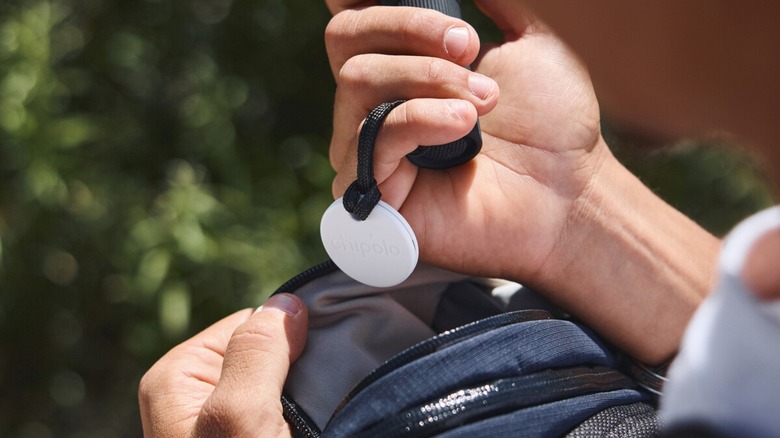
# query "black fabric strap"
(362, 195)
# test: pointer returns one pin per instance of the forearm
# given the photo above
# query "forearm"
(630, 265)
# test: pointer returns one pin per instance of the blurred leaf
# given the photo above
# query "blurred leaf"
(43, 183)
(175, 310)
(711, 180)
(69, 132)
(152, 271)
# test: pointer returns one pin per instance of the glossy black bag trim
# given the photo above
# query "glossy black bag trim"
(502, 396)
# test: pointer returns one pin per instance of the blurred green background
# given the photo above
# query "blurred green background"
(164, 163)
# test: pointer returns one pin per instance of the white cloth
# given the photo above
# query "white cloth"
(727, 374)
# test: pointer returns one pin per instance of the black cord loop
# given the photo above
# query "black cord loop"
(363, 194)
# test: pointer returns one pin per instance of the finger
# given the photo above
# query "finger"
(246, 400)
(368, 80)
(399, 30)
(414, 123)
(168, 393)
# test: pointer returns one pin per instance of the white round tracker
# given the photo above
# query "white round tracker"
(380, 251)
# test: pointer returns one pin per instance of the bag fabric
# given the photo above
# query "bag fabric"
(447, 355)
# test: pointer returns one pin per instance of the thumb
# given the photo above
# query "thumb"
(246, 401)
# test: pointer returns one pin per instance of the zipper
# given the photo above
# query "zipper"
(292, 413)
(311, 274)
(303, 425)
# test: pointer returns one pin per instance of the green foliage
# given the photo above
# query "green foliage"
(162, 164)
(712, 180)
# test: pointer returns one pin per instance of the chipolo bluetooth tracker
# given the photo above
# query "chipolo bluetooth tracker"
(380, 251)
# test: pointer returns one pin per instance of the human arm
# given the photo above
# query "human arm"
(545, 203)
(227, 380)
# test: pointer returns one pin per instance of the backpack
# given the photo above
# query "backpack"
(448, 355)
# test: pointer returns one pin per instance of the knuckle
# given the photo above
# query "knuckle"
(157, 380)
(146, 387)
(406, 115)
(219, 417)
(355, 73)
(417, 25)
(258, 332)
(225, 415)
(438, 71)
(342, 31)
(261, 336)
(334, 33)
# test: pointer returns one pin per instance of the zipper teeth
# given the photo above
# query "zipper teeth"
(302, 423)
(306, 276)
(294, 415)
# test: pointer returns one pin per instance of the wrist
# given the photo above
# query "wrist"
(630, 265)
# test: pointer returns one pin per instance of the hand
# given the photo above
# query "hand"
(545, 203)
(541, 139)
(228, 379)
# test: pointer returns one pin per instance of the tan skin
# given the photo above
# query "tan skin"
(546, 193)
(227, 380)
(551, 154)
(705, 65)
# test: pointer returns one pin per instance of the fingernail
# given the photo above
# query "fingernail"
(481, 86)
(282, 302)
(455, 41)
(460, 109)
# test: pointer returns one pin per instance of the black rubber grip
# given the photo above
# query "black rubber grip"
(449, 7)
(457, 152)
